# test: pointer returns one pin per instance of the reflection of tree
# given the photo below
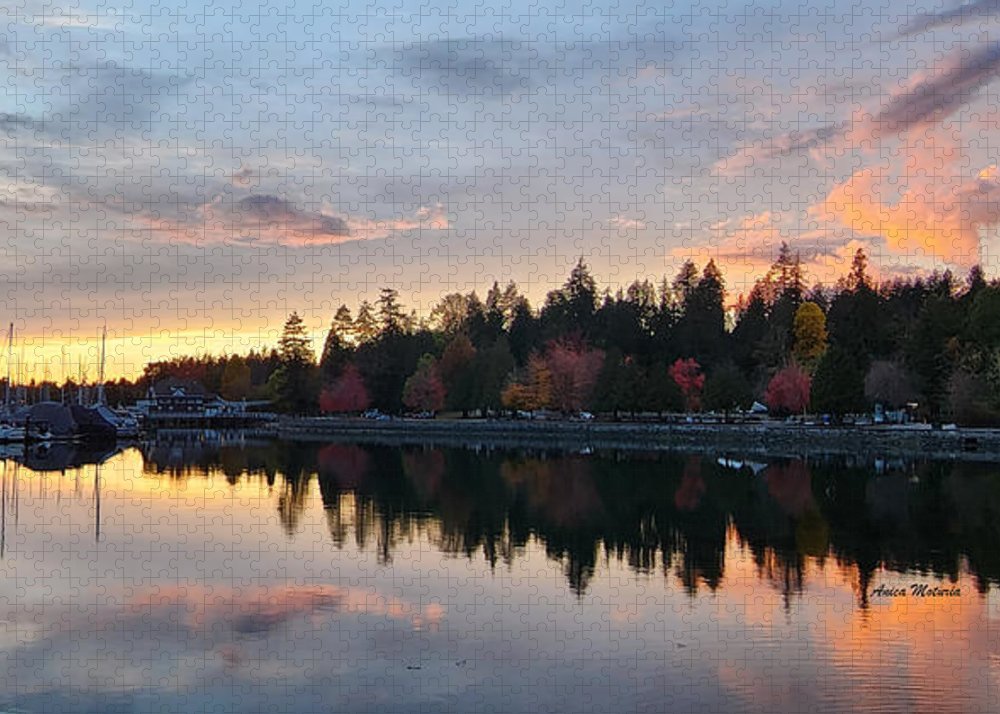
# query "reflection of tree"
(342, 466)
(701, 525)
(692, 488)
(790, 485)
(561, 496)
(292, 499)
(649, 511)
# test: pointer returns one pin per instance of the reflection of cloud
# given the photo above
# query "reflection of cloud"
(187, 633)
(259, 610)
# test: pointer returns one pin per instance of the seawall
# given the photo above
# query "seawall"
(759, 438)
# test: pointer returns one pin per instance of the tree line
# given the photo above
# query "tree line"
(931, 342)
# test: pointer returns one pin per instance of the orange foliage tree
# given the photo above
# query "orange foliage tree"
(533, 390)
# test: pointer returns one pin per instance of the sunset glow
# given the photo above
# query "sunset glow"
(188, 177)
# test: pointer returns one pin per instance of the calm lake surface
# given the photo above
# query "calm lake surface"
(199, 575)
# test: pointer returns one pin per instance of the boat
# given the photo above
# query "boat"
(10, 433)
(125, 425)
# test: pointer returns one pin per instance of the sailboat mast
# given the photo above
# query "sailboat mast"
(100, 381)
(10, 357)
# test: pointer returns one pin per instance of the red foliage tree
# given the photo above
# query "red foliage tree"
(687, 375)
(347, 393)
(788, 390)
(424, 390)
(574, 369)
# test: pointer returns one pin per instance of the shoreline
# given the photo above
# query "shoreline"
(770, 439)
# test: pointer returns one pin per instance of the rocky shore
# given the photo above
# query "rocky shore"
(766, 439)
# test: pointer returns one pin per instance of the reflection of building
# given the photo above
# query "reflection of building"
(178, 402)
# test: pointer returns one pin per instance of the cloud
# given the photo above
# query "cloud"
(746, 248)
(468, 66)
(926, 101)
(244, 177)
(108, 96)
(624, 223)
(939, 211)
(13, 122)
(483, 66)
(761, 151)
(978, 10)
(269, 218)
(261, 217)
(934, 209)
(21, 194)
(929, 100)
(265, 212)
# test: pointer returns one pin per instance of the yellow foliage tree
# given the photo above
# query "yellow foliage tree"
(809, 331)
(533, 391)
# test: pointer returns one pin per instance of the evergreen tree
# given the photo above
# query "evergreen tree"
(702, 328)
(235, 379)
(365, 327)
(337, 347)
(391, 319)
(838, 386)
(727, 389)
(294, 384)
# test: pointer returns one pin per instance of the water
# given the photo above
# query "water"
(199, 576)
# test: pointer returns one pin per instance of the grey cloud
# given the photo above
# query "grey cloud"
(934, 99)
(927, 104)
(469, 66)
(15, 121)
(976, 10)
(272, 211)
(476, 65)
(108, 95)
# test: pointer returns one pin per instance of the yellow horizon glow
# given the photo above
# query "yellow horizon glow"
(37, 358)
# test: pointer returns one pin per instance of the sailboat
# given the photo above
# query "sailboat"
(9, 431)
(126, 426)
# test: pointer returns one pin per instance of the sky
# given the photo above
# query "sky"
(188, 176)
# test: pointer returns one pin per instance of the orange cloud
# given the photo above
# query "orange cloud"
(745, 249)
(930, 210)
